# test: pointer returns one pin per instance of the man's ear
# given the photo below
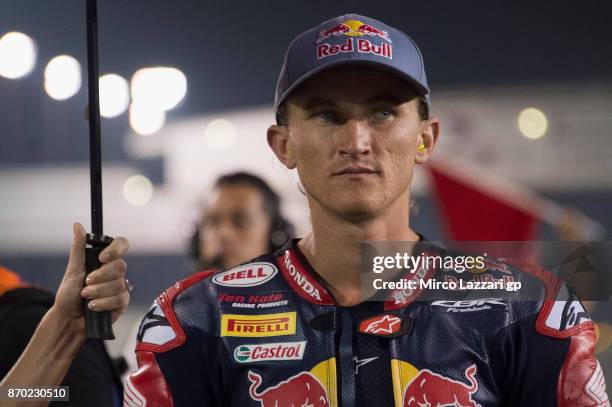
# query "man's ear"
(428, 137)
(281, 145)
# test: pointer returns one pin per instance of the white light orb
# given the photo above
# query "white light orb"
(145, 120)
(532, 123)
(220, 134)
(138, 190)
(17, 55)
(62, 77)
(161, 88)
(114, 95)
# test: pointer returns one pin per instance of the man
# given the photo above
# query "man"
(292, 329)
(240, 220)
(42, 339)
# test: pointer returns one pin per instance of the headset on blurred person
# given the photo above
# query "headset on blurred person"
(281, 230)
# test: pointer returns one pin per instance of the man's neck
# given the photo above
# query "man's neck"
(333, 247)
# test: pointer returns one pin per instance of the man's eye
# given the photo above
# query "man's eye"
(383, 114)
(211, 222)
(327, 116)
(240, 221)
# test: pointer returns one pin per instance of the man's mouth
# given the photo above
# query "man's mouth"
(356, 171)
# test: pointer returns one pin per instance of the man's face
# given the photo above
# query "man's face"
(235, 227)
(353, 133)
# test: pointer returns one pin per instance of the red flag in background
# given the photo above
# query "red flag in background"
(477, 206)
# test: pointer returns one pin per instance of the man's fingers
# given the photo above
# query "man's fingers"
(107, 289)
(76, 262)
(110, 271)
(117, 249)
(116, 303)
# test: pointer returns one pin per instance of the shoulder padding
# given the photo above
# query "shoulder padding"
(562, 314)
(160, 329)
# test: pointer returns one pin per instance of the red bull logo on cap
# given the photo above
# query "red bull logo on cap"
(353, 28)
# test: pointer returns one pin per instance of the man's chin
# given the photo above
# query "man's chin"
(358, 211)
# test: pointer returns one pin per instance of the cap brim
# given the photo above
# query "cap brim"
(421, 90)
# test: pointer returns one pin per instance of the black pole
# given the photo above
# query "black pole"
(97, 324)
(95, 147)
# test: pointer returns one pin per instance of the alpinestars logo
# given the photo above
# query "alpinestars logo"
(382, 325)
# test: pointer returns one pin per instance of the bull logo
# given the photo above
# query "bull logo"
(429, 389)
(300, 390)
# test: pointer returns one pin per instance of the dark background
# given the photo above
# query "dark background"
(231, 52)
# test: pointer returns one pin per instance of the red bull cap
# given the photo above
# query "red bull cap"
(351, 39)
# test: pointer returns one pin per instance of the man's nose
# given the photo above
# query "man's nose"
(355, 139)
(225, 232)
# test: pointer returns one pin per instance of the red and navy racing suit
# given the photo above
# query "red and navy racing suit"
(268, 333)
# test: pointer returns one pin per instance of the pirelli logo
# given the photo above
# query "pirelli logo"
(258, 325)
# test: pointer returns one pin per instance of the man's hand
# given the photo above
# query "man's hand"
(105, 287)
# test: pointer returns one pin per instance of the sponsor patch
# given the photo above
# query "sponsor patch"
(483, 304)
(361, 46)
(155, 328)
(249, 275)
(401, 298)
(353, 28)
(479, 279)
(566, 312)
(497, 265)
(385, 325)
(302, 389)
(255, 326)
(253, 301)
(266, 352)
(428, 388)
(301, 280)
(358, 35)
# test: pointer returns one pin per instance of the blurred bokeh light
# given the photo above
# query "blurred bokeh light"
(17, 55)
(161, 88)
(532, 123)
(220, 133)
(62, 77)
(146, 120)
(114, 95)
(138, 190)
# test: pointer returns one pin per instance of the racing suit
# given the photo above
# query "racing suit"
(268, 333)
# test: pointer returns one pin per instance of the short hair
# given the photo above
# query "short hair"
(282, 116)
(271, 200)
(281, 230)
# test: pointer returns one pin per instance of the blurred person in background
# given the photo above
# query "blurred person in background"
(240, 220)
(42, 336)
